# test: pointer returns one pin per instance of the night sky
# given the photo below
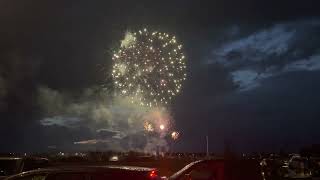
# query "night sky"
(253, 69)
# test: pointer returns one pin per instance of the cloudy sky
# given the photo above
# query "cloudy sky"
(253, 73)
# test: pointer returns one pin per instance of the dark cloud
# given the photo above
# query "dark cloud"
(270, 52)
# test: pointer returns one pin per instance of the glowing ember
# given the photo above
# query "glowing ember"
(175, 135)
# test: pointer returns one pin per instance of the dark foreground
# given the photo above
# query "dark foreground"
(166, 167)
(270, 167)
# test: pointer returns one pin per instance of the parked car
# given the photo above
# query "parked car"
(14, 165)
(298, 167)
(315, 166)
(220, 169)
(89, 173)
(10, 166)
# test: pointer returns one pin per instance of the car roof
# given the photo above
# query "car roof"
(89, 169)
(10, 158)
(85, 169)
(24, 158)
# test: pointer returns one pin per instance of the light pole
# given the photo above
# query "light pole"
(207, 141)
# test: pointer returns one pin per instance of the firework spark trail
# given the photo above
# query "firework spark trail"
(150, 67)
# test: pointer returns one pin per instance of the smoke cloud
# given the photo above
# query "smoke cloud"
(117, 124)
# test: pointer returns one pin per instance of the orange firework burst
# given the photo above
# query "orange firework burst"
(175, 135)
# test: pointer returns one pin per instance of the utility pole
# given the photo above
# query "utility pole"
(207, 140)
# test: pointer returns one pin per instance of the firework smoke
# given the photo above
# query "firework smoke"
(116, 123)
